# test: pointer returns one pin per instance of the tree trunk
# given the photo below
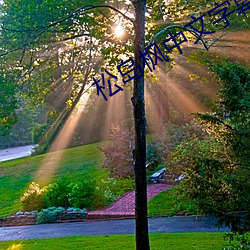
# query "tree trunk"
(139, 151)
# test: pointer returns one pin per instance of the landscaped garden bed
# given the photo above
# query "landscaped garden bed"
(49, 215)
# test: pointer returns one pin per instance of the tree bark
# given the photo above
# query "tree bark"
(139, 151)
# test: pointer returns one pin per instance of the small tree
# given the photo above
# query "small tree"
(118, 156)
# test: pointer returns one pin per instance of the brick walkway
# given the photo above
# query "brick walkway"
(124, 207)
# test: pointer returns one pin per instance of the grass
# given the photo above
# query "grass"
(170, 241)
(16, 175)
(169, 203)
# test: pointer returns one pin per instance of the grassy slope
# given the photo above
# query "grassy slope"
(173, 241)
(169, 203)
(16, 175)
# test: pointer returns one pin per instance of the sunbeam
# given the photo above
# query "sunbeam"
(51, 161)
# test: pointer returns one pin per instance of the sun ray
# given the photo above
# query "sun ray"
(51, 162)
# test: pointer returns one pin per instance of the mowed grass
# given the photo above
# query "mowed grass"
(169, 202)
(16, 175)
(170, 241)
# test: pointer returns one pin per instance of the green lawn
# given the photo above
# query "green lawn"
(171, 241)
(169, 202)
(16, 175)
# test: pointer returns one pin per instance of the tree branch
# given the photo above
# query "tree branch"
(196, 34)
(42, 29)
(217, 39)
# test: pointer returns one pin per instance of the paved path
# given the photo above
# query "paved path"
(156, 225)
(14, 153)
(125, 206)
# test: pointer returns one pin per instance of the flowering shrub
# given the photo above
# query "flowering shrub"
(33, 197)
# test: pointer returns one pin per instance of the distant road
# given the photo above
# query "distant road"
(17, 152)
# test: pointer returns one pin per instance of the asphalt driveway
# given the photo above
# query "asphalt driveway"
(156, 225)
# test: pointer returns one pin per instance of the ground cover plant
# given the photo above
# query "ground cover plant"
(170, 241)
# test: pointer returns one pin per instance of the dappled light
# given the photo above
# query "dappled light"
(115, 112)
(16, 247)
(235, 45)
(51, 161)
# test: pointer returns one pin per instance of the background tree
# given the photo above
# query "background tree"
(118, 155)
(8, 105)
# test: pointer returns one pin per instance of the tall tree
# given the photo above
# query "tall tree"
(139, 151)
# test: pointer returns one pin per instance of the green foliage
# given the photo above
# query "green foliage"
(91, 193)
(32, 198)
(152, 156)
(205, 175)
(16, 175)
(103, 193)
(81, 194)
(216, 168)
(48, 215)
(8, 104)
(242, 241)
(22, 132)
(38, 131)
(108, 190)
(56, 194)
(118, 153)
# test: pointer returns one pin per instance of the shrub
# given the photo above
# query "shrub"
(103, 194)
(56, 194)
(48, 215)
(152, 155)
(33, 197)
(81, 194)
(109, 189)
(243, 242)
(123, 185)
(73, 209)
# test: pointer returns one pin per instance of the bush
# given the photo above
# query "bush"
(48, 215)
(109, 189)
(152, 155)
(33, 198)
(57, 193)
(81, 194)
(103, 194)
(243, 242)
(38, 131)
